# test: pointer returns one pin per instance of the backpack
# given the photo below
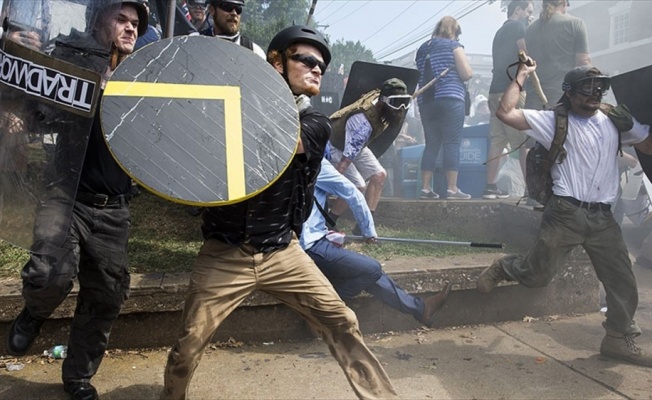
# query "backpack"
(246, 42)
(539, 160)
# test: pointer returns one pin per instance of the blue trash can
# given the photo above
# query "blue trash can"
(408, 171)
(472, 176)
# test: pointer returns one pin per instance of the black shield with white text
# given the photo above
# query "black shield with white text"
(47, 104)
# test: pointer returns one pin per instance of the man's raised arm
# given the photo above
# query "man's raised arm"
(507, 111)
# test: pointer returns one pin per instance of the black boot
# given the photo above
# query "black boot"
(80, 390)
(22, 333)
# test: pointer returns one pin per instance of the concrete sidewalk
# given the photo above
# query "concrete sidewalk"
(551, 358)
(555, 358)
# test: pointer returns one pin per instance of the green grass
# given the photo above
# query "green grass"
(12, 260)
(165, 237)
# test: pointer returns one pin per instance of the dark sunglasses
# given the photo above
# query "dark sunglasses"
(309, 61)
(228, 7)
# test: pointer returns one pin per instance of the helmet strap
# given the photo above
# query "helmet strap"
(284, 61)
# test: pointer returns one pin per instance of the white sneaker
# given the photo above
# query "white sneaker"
(459, 195)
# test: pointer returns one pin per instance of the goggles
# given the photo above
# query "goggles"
(228, 7)
(309, 61)
(397, 101)
(591, 86)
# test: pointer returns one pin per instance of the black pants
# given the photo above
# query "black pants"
(94, 251)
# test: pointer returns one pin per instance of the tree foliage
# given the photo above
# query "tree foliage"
(262, 19)
(347, 52)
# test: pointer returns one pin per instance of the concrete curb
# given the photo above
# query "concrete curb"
(151, 315)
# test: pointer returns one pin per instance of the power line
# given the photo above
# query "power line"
(380, 57)
(323, 20)
(423, 34)
(351, 13)
(326, 6)
(393, 18)
(469, 12)
(393, 45)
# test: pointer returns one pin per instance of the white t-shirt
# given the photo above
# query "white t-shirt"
(590, 171)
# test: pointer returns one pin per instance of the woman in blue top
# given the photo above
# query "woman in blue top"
(442, 106)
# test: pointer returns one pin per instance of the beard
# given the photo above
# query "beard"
(312, 90)
(589, 107)
(228, 28)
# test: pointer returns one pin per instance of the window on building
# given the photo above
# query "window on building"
(620, 28)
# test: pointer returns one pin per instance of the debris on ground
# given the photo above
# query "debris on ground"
(14, 366)
(231, 343)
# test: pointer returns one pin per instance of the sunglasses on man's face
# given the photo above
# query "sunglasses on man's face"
(397, 101)
(309, 61)
(228, 7)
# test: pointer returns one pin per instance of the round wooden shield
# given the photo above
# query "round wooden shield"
(200, 121)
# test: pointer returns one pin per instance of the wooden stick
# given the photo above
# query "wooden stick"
(429, 84)
(535, 78)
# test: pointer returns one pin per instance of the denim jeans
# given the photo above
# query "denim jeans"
(443, 120)
(351, 273)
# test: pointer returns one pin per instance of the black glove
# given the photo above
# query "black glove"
(621, 117)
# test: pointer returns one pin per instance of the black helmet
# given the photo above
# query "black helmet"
(98, 5)
(300, 34)
(575, 80)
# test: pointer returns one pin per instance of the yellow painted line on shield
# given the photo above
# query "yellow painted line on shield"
(235, 170)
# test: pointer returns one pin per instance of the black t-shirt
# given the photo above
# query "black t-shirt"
(504, 53)
(266, 221)
(101, 174)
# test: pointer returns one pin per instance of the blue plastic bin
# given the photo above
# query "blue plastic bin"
(472, 177)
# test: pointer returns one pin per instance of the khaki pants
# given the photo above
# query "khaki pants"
(501, 134)
(223, 276)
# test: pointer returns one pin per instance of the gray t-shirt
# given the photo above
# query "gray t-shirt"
(553, 45)
(505, 52)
